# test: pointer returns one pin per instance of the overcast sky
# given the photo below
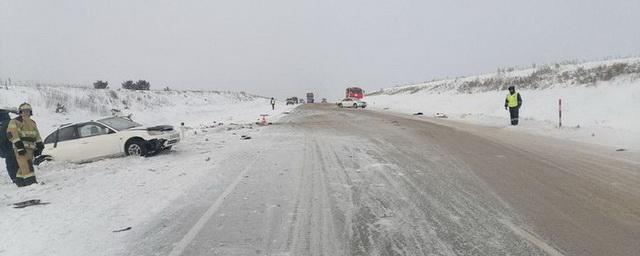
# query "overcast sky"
(289, 47)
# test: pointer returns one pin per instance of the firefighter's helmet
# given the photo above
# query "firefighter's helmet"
(25, 106)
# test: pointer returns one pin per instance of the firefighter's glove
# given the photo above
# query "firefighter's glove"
(39, 148)
(20, 147)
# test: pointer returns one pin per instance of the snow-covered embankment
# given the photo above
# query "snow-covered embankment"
(600, 101)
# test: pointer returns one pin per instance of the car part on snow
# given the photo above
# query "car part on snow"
(418, 114)
(39, 159)
(120, 230)
(28, 203)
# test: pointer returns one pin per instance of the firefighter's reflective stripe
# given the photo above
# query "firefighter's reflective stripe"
(25, 131)
(512, 100)
(28, 134)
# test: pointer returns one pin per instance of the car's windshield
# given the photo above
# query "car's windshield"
(119, 123)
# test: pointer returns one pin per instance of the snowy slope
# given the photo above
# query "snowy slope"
(90, 201)
(194, 108)
(600, 100)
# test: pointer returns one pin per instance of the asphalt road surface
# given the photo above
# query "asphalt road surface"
(334, 181)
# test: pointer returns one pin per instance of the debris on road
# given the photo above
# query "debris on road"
(245, 137)
(418, 114)
(28, 203)
(120, 230)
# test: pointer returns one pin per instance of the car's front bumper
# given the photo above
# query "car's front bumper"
(164, 142)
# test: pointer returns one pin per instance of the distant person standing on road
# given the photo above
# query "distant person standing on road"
(27, 144)
(6, 150)
(273, 103)
(513, 104)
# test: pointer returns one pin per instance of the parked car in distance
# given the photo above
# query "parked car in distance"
(292, 101)
(108, 137)
(352, 103)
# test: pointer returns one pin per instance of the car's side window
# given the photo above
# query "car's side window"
(50, 139)
(91, 129)
(67, 133)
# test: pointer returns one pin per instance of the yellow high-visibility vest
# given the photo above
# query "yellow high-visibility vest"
(512, 100)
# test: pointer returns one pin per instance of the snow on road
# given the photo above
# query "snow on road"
(339, 183)
(352, 182)
(328, 181)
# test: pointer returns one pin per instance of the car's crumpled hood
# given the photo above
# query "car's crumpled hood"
(153, 128)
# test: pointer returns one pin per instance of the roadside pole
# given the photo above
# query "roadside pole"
(559, 113)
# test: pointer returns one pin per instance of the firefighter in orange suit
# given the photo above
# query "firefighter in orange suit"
(27, 144)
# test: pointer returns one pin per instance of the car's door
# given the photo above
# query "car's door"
(62, 144)
(348, 103)
(97, 140)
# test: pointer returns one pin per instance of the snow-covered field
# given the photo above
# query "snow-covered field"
(604, 112)
(90, 201)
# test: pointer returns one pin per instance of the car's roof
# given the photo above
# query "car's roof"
(112, 117)
(87, 121)
(10, 110)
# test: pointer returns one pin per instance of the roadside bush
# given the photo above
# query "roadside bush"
(100, 84)
(128, 85)
(141, 85)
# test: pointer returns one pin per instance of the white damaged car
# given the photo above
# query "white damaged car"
(109, 137)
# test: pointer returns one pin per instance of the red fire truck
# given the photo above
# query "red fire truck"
(354, 93)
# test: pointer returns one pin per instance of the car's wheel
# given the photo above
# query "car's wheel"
(355, 105)
(136, 147)
(340, 105)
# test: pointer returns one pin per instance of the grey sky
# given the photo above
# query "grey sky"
(282, 48)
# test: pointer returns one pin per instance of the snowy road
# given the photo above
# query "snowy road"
(327, 181)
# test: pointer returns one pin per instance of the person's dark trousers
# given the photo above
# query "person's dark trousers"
(514, 112)
(12, 166)
(273, 106)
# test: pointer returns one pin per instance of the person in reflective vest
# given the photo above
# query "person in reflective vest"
(513, 104)
(27, 144)
(273, 103)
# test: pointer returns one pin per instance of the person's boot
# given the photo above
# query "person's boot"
(30, 180)
(18, 182)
